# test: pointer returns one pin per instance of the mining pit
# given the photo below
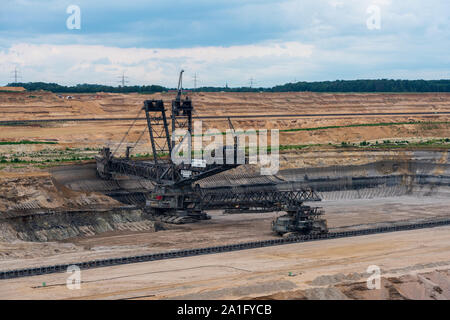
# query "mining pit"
(56, 212)
(102, 218)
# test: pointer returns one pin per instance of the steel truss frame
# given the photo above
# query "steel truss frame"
(276, 199)
(161, 169)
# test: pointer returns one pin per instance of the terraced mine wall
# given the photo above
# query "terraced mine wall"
(375, 180)
(423, 173)
(127, 190)
(53, 225)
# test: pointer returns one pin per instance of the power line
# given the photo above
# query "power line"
(16, 75)
(252, 81)
(123, 79)
(195, 80)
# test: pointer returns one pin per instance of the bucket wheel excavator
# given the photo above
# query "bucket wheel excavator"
(173, 198)
(176, 198)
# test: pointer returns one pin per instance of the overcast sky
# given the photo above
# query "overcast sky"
(230, 41)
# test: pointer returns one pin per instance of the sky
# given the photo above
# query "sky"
(223, 42)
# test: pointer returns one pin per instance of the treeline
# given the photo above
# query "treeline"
(87, 88)
(382, 85)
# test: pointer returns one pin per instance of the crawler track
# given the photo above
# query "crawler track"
(19, 273)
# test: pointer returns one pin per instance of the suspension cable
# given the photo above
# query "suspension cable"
(140, 137)
(128, 131)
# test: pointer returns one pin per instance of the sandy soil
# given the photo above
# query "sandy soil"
(35, 105)
(258, 272)
(45, 105)
(221, 229)
(12, 89)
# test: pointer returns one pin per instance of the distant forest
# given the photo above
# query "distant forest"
(382, 85)
(87, 88)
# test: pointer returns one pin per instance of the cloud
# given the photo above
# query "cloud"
(224, 40)
(145, 66)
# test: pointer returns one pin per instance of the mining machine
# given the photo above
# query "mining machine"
(177, 197)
